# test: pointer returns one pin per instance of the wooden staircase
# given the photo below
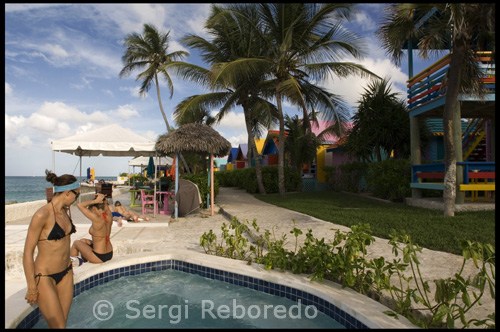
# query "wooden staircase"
(474, 141)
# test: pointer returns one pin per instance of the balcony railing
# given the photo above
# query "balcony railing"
(428, 84)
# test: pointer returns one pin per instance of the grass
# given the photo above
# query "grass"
(428, 228)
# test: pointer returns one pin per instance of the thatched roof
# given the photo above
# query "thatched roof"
(194, 137)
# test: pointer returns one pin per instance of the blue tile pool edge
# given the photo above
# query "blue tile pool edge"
(212, 273)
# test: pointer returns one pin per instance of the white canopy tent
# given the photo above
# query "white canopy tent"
(159, 161)
(109, 141)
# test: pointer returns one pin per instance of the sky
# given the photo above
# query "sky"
(62, 64)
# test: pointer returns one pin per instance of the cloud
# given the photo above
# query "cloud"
(353, 87)
(64, 112)
(85, 84)
(108, 92)
(13, 124)
(23, 141)
(58, 120)
(232, 120)
(233, 128)
(364, 21)
(151, 135)
(10, 7)
(180, 19)
(237, 140)
(123, 113)
(56, 51)
(43, 122)
(134, 91)
(8, 90)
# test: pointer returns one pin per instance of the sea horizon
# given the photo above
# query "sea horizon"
(28, 188)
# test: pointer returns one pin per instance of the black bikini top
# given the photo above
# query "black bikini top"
(57, 232)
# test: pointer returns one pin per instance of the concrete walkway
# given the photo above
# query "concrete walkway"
(164, 233)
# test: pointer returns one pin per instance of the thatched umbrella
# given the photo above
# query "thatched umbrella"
(194, 137)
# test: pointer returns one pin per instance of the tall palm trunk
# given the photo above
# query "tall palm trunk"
(169, 129)
(453, 85)
(281, 144)
(253, 148)
(159, 102)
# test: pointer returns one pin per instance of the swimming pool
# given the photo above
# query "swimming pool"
(351, 309)
(175, 299)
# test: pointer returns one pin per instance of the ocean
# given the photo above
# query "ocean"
(31, 188)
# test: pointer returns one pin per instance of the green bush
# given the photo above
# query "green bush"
(139, 178)
(245, 178)
(345, 177)
(390, 179)
(225, 179)
(201, 180)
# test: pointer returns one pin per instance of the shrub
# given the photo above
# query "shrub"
(245, 178)
(390, 179)
(225, 178)
(345, 177)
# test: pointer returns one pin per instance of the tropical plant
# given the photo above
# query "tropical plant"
(398, 284)
(300, 144)
(381, 124)
(303, 43)
(232, 39)
(462, 28)
(149, 51)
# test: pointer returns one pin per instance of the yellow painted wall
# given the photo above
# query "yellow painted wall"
(320, 162)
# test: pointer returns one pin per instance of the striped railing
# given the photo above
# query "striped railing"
(428, 84)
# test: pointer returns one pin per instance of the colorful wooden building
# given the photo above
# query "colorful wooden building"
(313, 175)
(475, 144)
(220, 164)
(270, 149)
(231, 159)
(241, 156)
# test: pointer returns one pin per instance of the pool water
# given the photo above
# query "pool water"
(176, 299)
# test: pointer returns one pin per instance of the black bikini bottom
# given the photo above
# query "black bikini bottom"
(104, 257)
(56, 276)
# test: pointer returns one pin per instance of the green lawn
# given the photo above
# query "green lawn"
(428, 228)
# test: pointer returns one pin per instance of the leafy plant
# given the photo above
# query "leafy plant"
(344, 260)
(345, 177)
(389, 179)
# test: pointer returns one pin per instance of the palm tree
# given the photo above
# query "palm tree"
(232, 39)
(303, 43)
(463, 27)
(381, 124)
(149, 51)
(301, 144)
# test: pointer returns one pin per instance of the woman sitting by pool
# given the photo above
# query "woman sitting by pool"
(99, 249)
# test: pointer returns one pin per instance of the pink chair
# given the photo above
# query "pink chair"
(148, 200)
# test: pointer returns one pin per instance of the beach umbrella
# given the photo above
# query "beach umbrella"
(151, 168)
(194, 137)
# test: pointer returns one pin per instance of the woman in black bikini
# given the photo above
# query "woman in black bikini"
(49, 277)
(99, 249)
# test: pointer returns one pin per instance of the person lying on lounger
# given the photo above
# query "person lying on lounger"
(118, 217)
(127, 214)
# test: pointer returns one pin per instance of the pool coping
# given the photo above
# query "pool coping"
(360, 307)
